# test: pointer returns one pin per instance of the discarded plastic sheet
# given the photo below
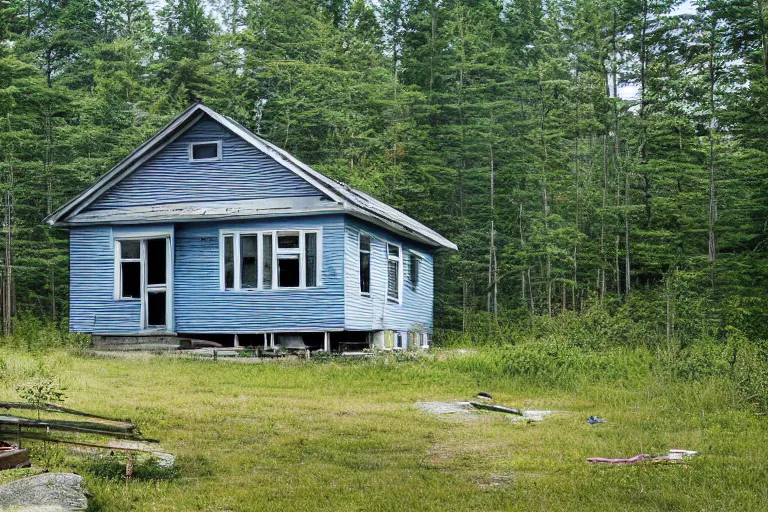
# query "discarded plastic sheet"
(631, 460)
(444, 407)
(468, 411)
(594, 419)
(529, 416)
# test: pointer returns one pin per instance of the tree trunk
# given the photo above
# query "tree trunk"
(712, 217)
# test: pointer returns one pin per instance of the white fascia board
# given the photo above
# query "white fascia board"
(395, 227)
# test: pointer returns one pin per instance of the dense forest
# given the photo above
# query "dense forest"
(585, 155)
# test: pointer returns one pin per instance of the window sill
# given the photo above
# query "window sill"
(364, 294)
(127, 299)
(268, 290)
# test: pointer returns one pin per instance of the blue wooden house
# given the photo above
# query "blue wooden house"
(207, 231)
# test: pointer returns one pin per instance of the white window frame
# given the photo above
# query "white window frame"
(200, 143)
(424, 339)
(300, 252)
(403, 341)
(142, 237)
(359, 261)
(399, 259)
(119, 260)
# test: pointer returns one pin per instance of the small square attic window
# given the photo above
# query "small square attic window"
(204, 151)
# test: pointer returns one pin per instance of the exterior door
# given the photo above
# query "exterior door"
(157, 294)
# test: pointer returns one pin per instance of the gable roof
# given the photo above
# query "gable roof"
(343, 197)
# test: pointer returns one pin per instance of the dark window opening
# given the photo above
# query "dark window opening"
(365, 243)
(310, 248)
(414, 270)
(229, 262)
(365, 272)
(156, 260)
(267, 273)
(156, 309)
(288, 241)
(130, 273)
(288, 272)
(365, 264)
(207, 151)
(249, 261)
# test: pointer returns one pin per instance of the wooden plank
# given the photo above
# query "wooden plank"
(496, 408)
(64, 410)
(15, 458)
(18, 422)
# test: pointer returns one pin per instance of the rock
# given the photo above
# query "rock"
(49, 492)
(164, 460)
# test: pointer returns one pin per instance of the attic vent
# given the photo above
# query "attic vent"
(204, 151)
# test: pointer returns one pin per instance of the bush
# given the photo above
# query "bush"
(33, 334)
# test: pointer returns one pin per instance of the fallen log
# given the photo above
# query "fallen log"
(59, 409)
(18, 422)
(496, 408)
(43, 436)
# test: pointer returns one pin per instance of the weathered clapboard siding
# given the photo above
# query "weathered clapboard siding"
(202, 308)
(243, 173)
(92, 307)
(376, 311)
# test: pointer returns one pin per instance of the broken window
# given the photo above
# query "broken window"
(414, 274)
(393, 272)
(205, 151)
(155, 309)
(365, 264)
(143, 274)
(288, 271)
(130, 269)
(229, 262)
(155, 269)
(288, 260)
(249, 261)
(156, 261)
(399, 340)
(288, 241)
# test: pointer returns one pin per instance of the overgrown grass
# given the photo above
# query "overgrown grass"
(345, 435)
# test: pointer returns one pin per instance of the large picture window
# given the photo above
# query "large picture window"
(265, 260)
(394, 272)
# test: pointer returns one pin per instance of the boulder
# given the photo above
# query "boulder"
(49, 492)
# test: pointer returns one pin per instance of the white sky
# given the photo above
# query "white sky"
(632, 91)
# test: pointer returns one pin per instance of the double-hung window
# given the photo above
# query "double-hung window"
(365, 264)
(129, 267)
(394, 272)
(265, 260)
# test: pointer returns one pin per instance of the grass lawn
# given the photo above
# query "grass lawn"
(346, 436)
